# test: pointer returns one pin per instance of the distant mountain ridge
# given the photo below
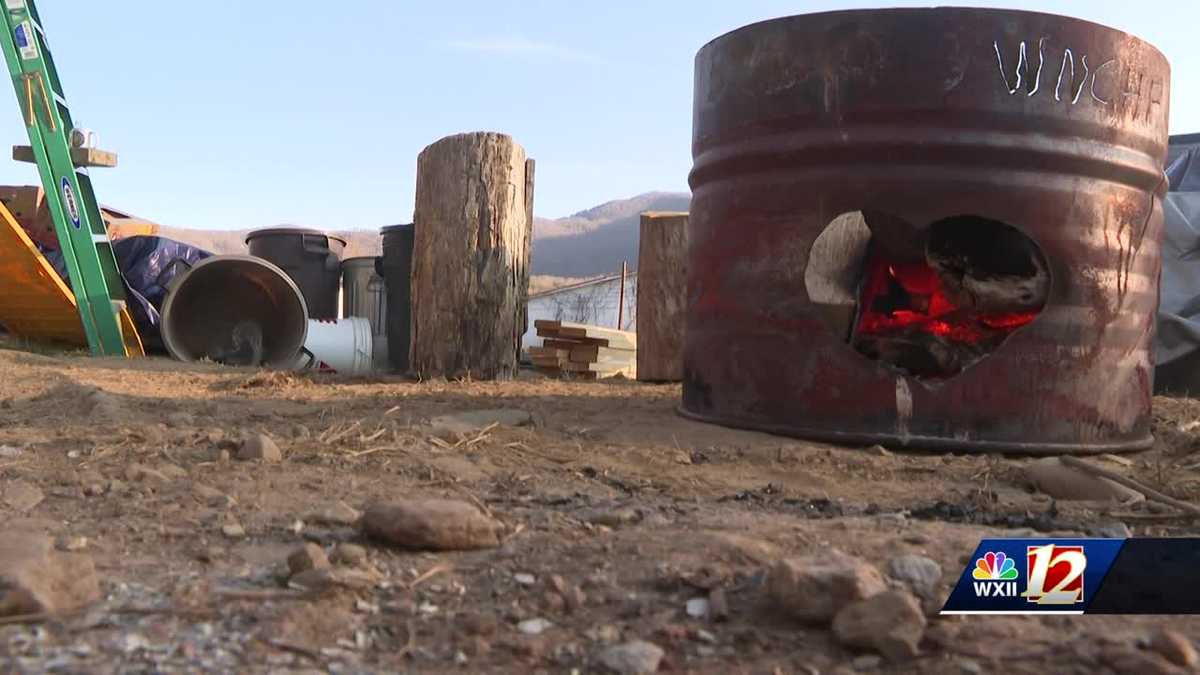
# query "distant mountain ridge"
(585, 244)
(597, 240)
(597, 217)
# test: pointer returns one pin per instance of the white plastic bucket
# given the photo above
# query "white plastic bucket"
(343, 346)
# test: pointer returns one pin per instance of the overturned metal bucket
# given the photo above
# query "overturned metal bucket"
(1053, 127)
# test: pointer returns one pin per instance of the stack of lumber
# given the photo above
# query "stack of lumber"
(586, 352)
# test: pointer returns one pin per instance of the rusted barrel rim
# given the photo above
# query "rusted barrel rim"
(924, 10)
(918, 442)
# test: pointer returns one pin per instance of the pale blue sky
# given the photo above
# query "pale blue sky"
(251, 113)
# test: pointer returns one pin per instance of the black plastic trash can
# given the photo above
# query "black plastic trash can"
(313, 259)
(397, 276)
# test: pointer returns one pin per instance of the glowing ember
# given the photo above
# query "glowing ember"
(905, 298)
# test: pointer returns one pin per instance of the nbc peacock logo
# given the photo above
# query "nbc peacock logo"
(995, 576)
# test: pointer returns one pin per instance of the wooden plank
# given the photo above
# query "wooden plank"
(586, 330)
(572, 367)
(604, 375)
(554, 339)
(550, 352)
(615, 362)
(597, 353)
(595, 335)
(553, 343)
(80, 156)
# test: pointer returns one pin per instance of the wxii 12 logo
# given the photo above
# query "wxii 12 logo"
(1055, 574)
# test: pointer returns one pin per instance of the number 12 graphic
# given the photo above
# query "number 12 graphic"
(1058, 567)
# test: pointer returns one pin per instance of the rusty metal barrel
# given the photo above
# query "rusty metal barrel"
(1053, 126)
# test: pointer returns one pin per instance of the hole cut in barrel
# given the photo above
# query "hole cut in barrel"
(928, 302)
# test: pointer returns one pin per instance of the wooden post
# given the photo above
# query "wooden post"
(621, 298)
(470, 270)
(661, 296)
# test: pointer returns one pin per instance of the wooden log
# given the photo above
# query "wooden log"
(661, 296)
(470, 270)
(835, 269)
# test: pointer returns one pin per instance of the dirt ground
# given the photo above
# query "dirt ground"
(609, 490)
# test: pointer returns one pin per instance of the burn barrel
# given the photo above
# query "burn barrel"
(968, 126)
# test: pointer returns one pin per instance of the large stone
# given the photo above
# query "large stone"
(36, 579)
(921, 574)
(477, 420)
(815, 588)
(632, 658)
(431, 525)
(260, 447)
(1065, 483)
(890, 623)
(308, 557)
(22, 496)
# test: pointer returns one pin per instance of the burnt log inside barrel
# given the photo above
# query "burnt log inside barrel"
(928, 116)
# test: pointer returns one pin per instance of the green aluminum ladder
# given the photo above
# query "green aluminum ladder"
(95, 279)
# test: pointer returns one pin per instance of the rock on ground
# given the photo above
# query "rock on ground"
(890, 623)
(1174, 647)
(920, 573)
(431, 525)
(35, 578)
(1130, 661)
(321, 579)
(477, 420)
(1053, 478)
(260, 447)
(611, 517)
(350, 555)
(632, 658)
(534, 626)
(338, 513)
(140, 473)
(308, 557)
(22, 496)
(815, 588)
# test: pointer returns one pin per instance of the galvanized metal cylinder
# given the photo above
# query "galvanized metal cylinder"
(927, 114)
(364, 294)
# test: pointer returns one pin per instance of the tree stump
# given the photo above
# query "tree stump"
(470, 269)
(661, 296)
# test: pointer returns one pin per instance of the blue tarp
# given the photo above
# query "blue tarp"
(1177, 339)
(149, 264)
